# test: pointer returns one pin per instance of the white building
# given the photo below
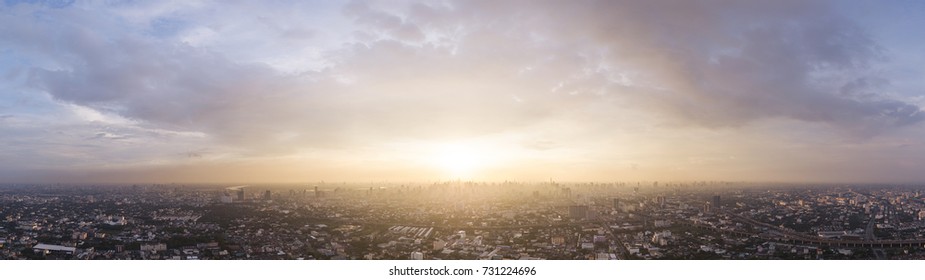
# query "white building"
(47, 248)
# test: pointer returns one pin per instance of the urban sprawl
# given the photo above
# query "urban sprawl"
(463, 220)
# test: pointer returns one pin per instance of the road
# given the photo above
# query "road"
(869, 236)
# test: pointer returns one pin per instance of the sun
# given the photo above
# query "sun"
(458, 161)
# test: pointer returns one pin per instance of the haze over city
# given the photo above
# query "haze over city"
(304, 91)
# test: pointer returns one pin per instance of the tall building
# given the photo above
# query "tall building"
(266, 195)
(716, 201)
(241, 194)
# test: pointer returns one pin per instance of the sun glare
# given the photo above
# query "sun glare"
(459, 161)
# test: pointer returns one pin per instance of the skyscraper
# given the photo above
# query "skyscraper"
(716, 201)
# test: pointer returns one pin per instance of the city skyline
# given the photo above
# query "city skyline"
(356, 91)
(463, 220)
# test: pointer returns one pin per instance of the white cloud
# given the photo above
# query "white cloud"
(91, 115)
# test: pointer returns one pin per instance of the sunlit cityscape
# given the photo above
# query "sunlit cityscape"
(462, 130)
(463, 220)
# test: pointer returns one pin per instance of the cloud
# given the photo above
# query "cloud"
(716, 63)
(709, 63)
(262, 79)
(703, 63)
(162, 83)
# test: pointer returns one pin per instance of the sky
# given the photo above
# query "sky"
(363, 91)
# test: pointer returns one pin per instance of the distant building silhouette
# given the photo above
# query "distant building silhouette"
(226, 198)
